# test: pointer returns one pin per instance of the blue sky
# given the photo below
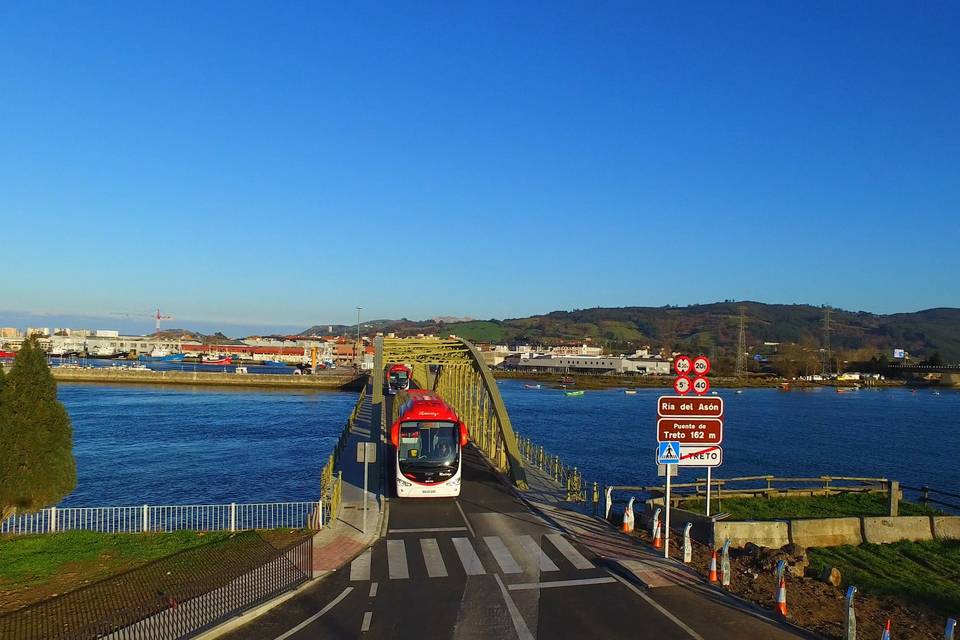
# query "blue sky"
(282, 163)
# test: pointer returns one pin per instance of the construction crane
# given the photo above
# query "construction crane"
(156, 315)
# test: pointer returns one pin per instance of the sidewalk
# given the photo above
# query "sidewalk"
(344, 537)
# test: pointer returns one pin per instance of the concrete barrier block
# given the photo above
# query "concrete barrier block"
(894, 529)
(772, 534)
(946, 527)
(826, 532)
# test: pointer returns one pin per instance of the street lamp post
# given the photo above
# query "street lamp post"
(358, 338)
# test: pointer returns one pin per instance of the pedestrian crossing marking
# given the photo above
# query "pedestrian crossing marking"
(533, 550)
(502, 554)
(569, 552)
(397, 560)
(432, 558)
(468, 557)
(360, 567)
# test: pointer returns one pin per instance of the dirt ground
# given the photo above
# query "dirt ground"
(813, 604)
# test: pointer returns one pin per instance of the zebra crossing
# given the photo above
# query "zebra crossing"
(525, 555)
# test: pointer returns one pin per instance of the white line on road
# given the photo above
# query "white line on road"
(569, 552)
(523, 631)
(502, 554)
(677, 621)
(397, 559)
(428, 530)
(312, 618)
(432, 558)
(373, 589)
(536, 554)
(473, 534)
(365, 625)
(558, 583)
(468, 557)
(360, 567)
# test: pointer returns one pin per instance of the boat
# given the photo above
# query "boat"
(531, 386)
(630, 392)
(567, 380)
(846, 389)
(8, 354)
(575, 393)
(739, 391)
(171, 357)
(273, 363)
(217, 359)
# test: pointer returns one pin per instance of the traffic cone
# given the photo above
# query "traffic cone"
(657, 540)
(782, 599)
(886, 631)
(628, 518)
(713, 566)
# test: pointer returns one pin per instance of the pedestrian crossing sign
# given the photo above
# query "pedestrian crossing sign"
(668, 453)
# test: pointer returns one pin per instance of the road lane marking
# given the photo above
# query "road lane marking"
(468, 557)
(397, 560)
(365, 625)
(360, 567)
(536, 554)
(677, 621)
(314, 617)
(569, 552)
(473, 534)
(523, 632)
(428, 530)
(432, 558)
(502, 554)
(373, 589)
(559, 583)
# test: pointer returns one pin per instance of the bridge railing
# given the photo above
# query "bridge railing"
(566, 476)
(331, 481)
(166, 518)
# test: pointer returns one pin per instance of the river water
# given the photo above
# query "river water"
(176, 445)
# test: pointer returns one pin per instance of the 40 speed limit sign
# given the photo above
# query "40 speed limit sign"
(700, 385)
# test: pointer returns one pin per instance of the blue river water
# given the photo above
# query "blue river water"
(177, 445)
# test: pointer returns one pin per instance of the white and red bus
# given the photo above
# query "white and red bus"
(428, 438)
(398, 378)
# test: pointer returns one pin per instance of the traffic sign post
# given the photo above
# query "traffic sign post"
(668, 454)
(366, 454)
(681, 385)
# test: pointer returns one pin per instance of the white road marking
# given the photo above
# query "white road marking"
(428, 530)
(473, 534)
(373, 589)
(502, 554)
(432, 558)
(536, 554)
(569, 552)
(397, 559)
(523, 632)
(468, 557)
(558, 583)
(312, 618)
(360, 567)
(365, 625)
(677, 621)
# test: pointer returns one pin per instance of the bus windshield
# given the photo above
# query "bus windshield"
(427, 444)
(398, 376)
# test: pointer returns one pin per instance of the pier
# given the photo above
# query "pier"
(348, 381)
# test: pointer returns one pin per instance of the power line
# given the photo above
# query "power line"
(741, 367)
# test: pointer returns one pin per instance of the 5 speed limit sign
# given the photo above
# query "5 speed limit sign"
(701, 385)
(701, 365)
(682, 365)
(682, 385)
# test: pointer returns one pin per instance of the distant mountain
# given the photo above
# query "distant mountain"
(709, 328)
(187, 334)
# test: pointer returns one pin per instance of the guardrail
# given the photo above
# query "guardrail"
(923, 496)
(753, 486)
(174, 597)
(568, 477)
(144, 518)
(331, 482)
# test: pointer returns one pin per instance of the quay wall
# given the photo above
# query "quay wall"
(327, 381)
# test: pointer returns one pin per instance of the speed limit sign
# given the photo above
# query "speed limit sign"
(682, 365)
(701, 365)
(701, 385)
(681, 385)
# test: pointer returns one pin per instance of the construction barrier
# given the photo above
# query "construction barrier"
(687, 546)
(628, 518)
(657, 539)
(886, 631)
(782, 598)
(949, 629)
(713, 565)
(725, 565)
(850, 621)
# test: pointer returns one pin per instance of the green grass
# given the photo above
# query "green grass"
(844, 504)
(927, 572)
(477, 331)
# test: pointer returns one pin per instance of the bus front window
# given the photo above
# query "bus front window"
(427, 444)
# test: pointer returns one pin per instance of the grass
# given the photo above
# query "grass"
(926, 572)
(844, 504)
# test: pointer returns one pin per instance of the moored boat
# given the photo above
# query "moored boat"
(217, 360)
(273, 363)
(531, 386)
(575, 393)
(630, 392)
(8, 354)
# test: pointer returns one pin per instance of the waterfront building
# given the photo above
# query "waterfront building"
(593, 364)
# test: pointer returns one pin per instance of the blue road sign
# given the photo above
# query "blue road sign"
(668, 453)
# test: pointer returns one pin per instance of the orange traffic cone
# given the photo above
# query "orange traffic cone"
(782, 598)
(628, 518)
(886, 631)
(713, 566)
(657, 540)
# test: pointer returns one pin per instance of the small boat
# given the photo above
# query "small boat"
(173, 357)
(846, 389)
(8, 354)
(531, 386)
(575, 393)
(630, 392)
(273, 363)
(217, 360)
(739, 391)
(567, 380)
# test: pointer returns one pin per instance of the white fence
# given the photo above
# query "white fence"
(195, 517)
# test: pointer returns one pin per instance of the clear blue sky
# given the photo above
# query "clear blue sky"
(282, 163)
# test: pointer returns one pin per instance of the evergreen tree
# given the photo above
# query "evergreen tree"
(37, 467)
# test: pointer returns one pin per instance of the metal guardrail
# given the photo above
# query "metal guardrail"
(564, 475)
(145, 518)
(177, 596)
(331, 481)
(923, 496)
(768, 484)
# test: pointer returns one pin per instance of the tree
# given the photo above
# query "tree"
(37, 467)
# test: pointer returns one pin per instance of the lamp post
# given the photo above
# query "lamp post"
(358, 338)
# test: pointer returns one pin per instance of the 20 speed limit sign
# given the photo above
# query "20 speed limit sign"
(682, 365)
(701, 365)
(682, 385)
(700, 385)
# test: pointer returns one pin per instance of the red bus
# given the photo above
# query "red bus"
(428, 438)
(398, 378)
